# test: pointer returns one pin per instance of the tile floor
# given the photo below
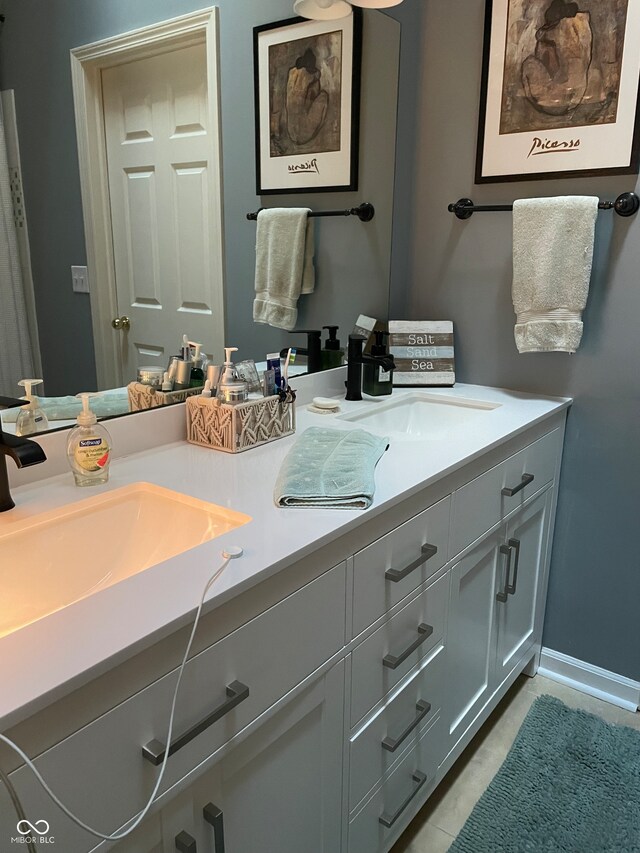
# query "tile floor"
(443, 816)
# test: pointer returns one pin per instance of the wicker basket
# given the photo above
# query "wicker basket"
(240, 427)
(143, 397)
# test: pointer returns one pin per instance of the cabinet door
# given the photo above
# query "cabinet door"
(470, 636)
(523, 557)
(170, 830)
(280, 790)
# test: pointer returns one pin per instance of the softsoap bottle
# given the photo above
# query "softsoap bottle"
(31, 418)
(89, 448)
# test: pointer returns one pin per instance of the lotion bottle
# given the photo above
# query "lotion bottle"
(376, 381)
(89, 448)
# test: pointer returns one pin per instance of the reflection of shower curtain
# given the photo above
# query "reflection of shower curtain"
(16, 361)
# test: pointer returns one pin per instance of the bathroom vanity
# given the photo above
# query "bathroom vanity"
(341, 665)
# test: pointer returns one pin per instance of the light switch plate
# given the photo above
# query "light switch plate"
(80, 279)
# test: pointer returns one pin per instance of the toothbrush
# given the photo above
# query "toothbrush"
(291, 356)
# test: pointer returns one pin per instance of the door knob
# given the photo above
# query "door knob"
(123, 323)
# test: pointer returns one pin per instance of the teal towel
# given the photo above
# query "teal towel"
(112, 402)
(330, 468)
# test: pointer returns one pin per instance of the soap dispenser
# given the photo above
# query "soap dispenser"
(332, 354)
(31, 418)
(376, 381)
(89, 448)
(230, 388)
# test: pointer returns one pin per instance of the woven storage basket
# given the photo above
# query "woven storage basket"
(143, 397)
(240, 427)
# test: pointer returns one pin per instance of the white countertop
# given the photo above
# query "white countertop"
(47, 659)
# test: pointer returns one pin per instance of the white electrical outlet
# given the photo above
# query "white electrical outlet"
(80, 279)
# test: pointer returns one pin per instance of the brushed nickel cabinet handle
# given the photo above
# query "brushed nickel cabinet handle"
(388, 820)
(511, 588)
(505, 549)
(185, 843)
(394, 661)
(526, 479)
(154, 750)
(423, 708)
(213, 815)
(396, 575)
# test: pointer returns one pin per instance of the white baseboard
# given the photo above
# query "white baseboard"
(590, 679)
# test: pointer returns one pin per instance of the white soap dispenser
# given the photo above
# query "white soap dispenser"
(89, 448)
(230, 388)
(31, 418)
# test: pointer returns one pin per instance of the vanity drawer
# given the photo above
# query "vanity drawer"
(398, 725)
(480, 504)
(100, 772)
(384, 658)
(399, 797)
(396, 564)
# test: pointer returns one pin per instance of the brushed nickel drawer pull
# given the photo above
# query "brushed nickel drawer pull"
(423, 708)
(389, 820)
(505, 549)
(396, 575)
(394, 661)
(213, 815)
(185, 843)
(155, 749)
(526, 479)
(511, 588)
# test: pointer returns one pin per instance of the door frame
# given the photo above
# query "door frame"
(87, 64)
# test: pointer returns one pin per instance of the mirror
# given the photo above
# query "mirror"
(352, 258)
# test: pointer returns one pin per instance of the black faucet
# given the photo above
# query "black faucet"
(23, 451)
(355, 359)
(313, 350)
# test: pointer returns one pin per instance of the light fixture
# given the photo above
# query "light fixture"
(375, 4)
(322, 10)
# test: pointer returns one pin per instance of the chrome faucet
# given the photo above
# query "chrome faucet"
(355, 359)
(23, 451)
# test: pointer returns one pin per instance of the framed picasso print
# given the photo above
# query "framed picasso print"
(307, 100)
(559, 89)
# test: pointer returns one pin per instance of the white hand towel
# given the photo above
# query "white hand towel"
(552, 255)
(284, 265)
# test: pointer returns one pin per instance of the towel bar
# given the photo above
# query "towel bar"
(365, 212)
(627, 204)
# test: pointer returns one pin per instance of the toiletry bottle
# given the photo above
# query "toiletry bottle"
(31, 418)
(89, 448)
(197, 373)
(231, 389)
(375, 380)
(332, 355)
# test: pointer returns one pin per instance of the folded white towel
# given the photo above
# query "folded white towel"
(284, 265)
(552, 255)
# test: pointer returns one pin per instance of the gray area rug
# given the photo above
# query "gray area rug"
(570, 784)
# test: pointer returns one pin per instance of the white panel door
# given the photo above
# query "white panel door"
(165, 206)
(280, 791)
(471, 635)
(526, 539)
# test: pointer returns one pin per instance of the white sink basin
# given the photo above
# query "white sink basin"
(420, 415)
(58, 557)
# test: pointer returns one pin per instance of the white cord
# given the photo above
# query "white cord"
(228, 555)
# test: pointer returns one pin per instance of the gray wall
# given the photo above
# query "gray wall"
(444, 268)
(352, 258)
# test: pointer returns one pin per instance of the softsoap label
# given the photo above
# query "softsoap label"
(92, 454)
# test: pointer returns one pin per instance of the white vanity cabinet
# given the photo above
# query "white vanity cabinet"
(365, 681)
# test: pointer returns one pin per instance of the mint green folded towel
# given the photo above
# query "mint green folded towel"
(331, 469)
